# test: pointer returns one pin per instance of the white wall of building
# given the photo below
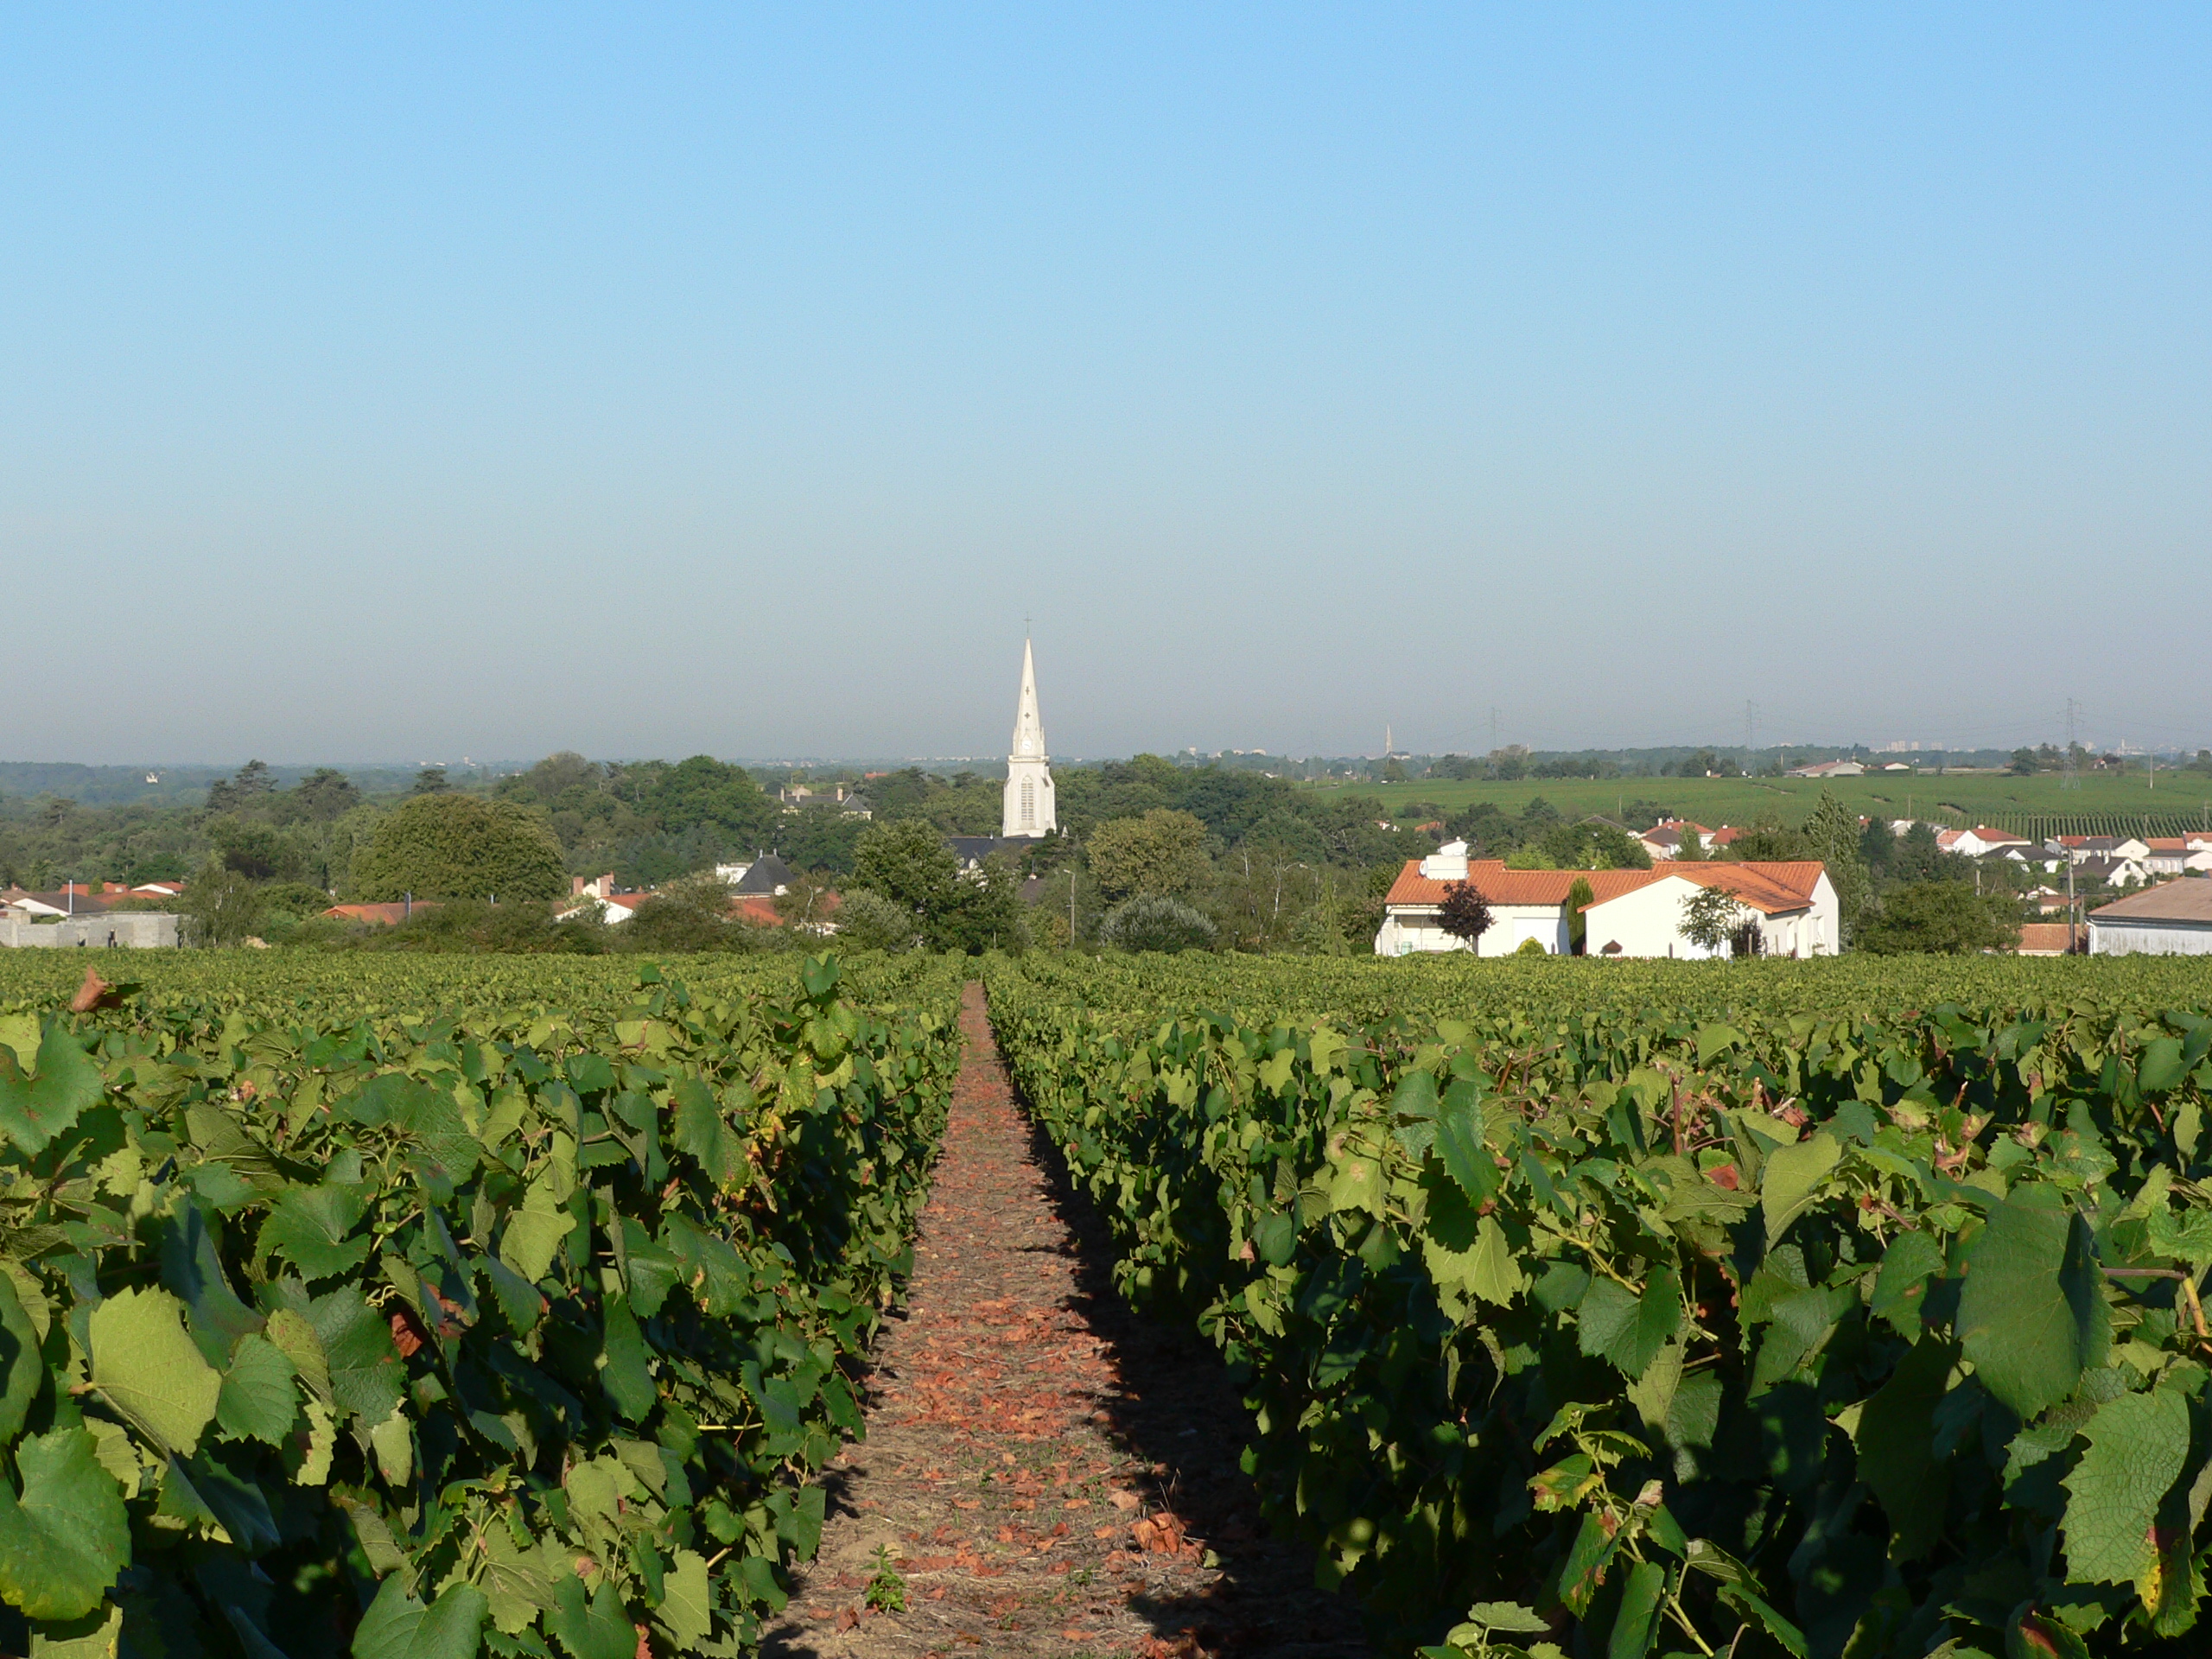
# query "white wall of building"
(1648, 922)
(1404, 933)
(2143, 937)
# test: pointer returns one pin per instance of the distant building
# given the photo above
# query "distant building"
(1632, 912)
(2172, 919)
(1972, 843)
(380, 915)
(127, 929)
(2051, 939)
(1829, 769)
(1028, 811)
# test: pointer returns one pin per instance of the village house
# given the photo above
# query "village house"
(1666, 838)
(2173, 918)
(2078, 849)
(1829, 769)
(1972, 843)
(1631, 914)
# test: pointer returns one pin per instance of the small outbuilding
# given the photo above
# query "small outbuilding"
(2172, 919)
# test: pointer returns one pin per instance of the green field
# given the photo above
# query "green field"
(2101, 803)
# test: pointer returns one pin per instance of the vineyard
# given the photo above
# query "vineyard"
(422, 1311)
(408, 1307)
(1820, 1309)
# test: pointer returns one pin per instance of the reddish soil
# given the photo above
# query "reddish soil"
(1045, 1473)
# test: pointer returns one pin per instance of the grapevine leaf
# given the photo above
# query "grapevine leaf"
(63, 1541)
(598, 1629)
(97, 1635)
(535, 1231)
(1507, 1616)
(514, 1580)
(257, 1401)
(33, 1110)
(626, 1378)
(294, 1337)
(1595, 1546)
(1638, 1613)
(1459, 1143)
(1792, 1180)
(702, 1133)
(366, 1377)
(20, 1364)
(1901, 1286)
(687, 1604)
(396, 1626)
(393, 1441)
(149, 1370)
(2138, 1444)
(2032, 1314)
(2161, 1066)
(308, 1229)
(1896, 1458)
(1630, 1329)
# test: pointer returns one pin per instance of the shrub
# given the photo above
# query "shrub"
(1154, 922)
(868, 921)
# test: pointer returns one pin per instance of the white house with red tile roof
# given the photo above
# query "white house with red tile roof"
(1664, 839)
(1632, 912)
(1972, 843)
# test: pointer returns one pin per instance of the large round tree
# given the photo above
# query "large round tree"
(459, 847)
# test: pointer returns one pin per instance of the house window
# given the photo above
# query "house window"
(1028, 802)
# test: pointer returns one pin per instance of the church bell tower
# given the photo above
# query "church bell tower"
(1028, 811)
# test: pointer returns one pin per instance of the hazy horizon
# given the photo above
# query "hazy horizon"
(737, 382)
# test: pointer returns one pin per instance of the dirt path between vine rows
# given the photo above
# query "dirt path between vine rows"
(1048, 1473)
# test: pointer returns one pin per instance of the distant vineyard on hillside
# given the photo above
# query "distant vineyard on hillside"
(2039, 827)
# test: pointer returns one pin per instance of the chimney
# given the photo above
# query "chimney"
(576, 886)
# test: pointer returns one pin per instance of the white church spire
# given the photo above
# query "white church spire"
(1028, 807)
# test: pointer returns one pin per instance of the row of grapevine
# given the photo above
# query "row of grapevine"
(367, 1316)
(1696, 1318)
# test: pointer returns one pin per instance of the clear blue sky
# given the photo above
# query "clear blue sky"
(646, 380)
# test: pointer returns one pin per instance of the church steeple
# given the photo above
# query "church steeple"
(1028, 808)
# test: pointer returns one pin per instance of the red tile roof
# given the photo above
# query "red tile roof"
(1767, 886)
(2048, 939)
(378, 915)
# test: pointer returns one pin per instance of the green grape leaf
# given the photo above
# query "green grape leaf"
(257, 1401)
(33, 1110)
(309, 1227)
(686, 1603)
(1792, 1180)
(598, 1629)
(702, 1133)
(1896, 1449)
(2138, 1444)
(515, 1580)
(2032, 1315)
(150, 1371)
(97, 1635)
(1638, 1613)
(63, 1541)
(366, 1376)
(396, 1626)
(535, 1231)
(626, 1377)
(21, 1365)
(1460, 1145)
(2160, 1068)
(1628, 1329)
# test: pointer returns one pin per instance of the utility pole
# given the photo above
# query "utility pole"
(2071, 779)
(1493, 729)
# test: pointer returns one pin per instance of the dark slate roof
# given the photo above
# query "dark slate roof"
(768, 872)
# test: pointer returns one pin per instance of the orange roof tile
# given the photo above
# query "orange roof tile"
(1767, 886)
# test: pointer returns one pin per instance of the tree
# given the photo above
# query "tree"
(2023, 763)
(693, 914)
(907, 862)
(1940, 917)
(1832, 836)
(1710, 917)
(868, 921)
(325, 793)
(1152, 921)
(1465, 913)
(249, 785)
(1161, 852)
(459, 847)
(431, 781)
(1578, 899)
(220, 906)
